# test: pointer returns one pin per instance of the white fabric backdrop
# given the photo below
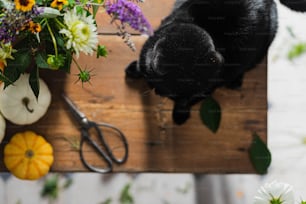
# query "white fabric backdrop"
(286, 123)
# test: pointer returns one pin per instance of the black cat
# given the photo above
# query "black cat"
(205, 44)
(297, 5)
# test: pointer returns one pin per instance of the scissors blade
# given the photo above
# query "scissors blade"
(80, 116)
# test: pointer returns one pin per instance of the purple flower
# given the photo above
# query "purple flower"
(130, 13)
(13, 21)
(38, 10)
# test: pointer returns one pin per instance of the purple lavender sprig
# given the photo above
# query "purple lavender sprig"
(130, 13)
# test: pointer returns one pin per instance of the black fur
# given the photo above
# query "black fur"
(202, 45)
(297, 5)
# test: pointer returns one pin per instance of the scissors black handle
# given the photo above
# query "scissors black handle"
(108, 156)
(86, 137)
(122, 138)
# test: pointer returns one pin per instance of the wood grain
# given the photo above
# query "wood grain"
(155, 143)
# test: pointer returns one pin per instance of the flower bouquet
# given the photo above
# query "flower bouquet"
(50, 34)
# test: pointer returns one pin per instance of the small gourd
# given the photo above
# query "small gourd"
(18, 103)
(2, 127)
(28, 155)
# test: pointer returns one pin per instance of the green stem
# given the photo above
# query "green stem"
(43, 21)
(95, 4)
(77, 64)
(53, 38)
(59, 23)
(25, 102)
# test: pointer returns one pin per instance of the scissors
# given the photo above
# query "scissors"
(86, 126)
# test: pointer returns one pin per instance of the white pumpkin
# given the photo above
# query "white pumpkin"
(18, 103)
(2, 127)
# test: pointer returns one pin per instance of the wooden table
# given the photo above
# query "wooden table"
(155, 143)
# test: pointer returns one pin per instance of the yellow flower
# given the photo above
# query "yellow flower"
(34, 27)
(59, 4)
(24, 5)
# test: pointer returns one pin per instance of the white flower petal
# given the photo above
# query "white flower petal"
(81, 32)
(275, 190)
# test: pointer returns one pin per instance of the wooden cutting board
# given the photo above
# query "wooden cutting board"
(156, 144)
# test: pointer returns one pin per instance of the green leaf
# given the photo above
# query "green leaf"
(4, 79)
(12, 75)
(71, 3)
(60, 41)
(67, 64)
(95, 9)
(39, 2)
(210, 113)
(51, 188)
(107, 201)
(101, 51)
(41, 61)
(21, 61)
(34, 81)
(126, 197)
(68, 183)
(297, 50)
(16, 66)
(260, 155)
(79, 10)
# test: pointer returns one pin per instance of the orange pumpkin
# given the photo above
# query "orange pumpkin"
(28, 156)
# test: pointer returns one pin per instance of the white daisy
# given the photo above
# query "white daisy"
(275, 193)
(81, 32)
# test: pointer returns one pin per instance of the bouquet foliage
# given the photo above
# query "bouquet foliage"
(51, 34)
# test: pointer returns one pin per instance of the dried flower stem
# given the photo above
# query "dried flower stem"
(125, 35)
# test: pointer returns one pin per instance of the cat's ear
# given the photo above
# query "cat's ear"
(297, 5)
(156, 57)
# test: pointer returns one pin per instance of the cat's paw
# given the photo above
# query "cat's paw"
(132, 71)
(180, 116)
(236, 84)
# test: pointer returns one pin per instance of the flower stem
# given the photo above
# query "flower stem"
(59, 23)
(77, 64)
(29, 153)
(53, 38)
